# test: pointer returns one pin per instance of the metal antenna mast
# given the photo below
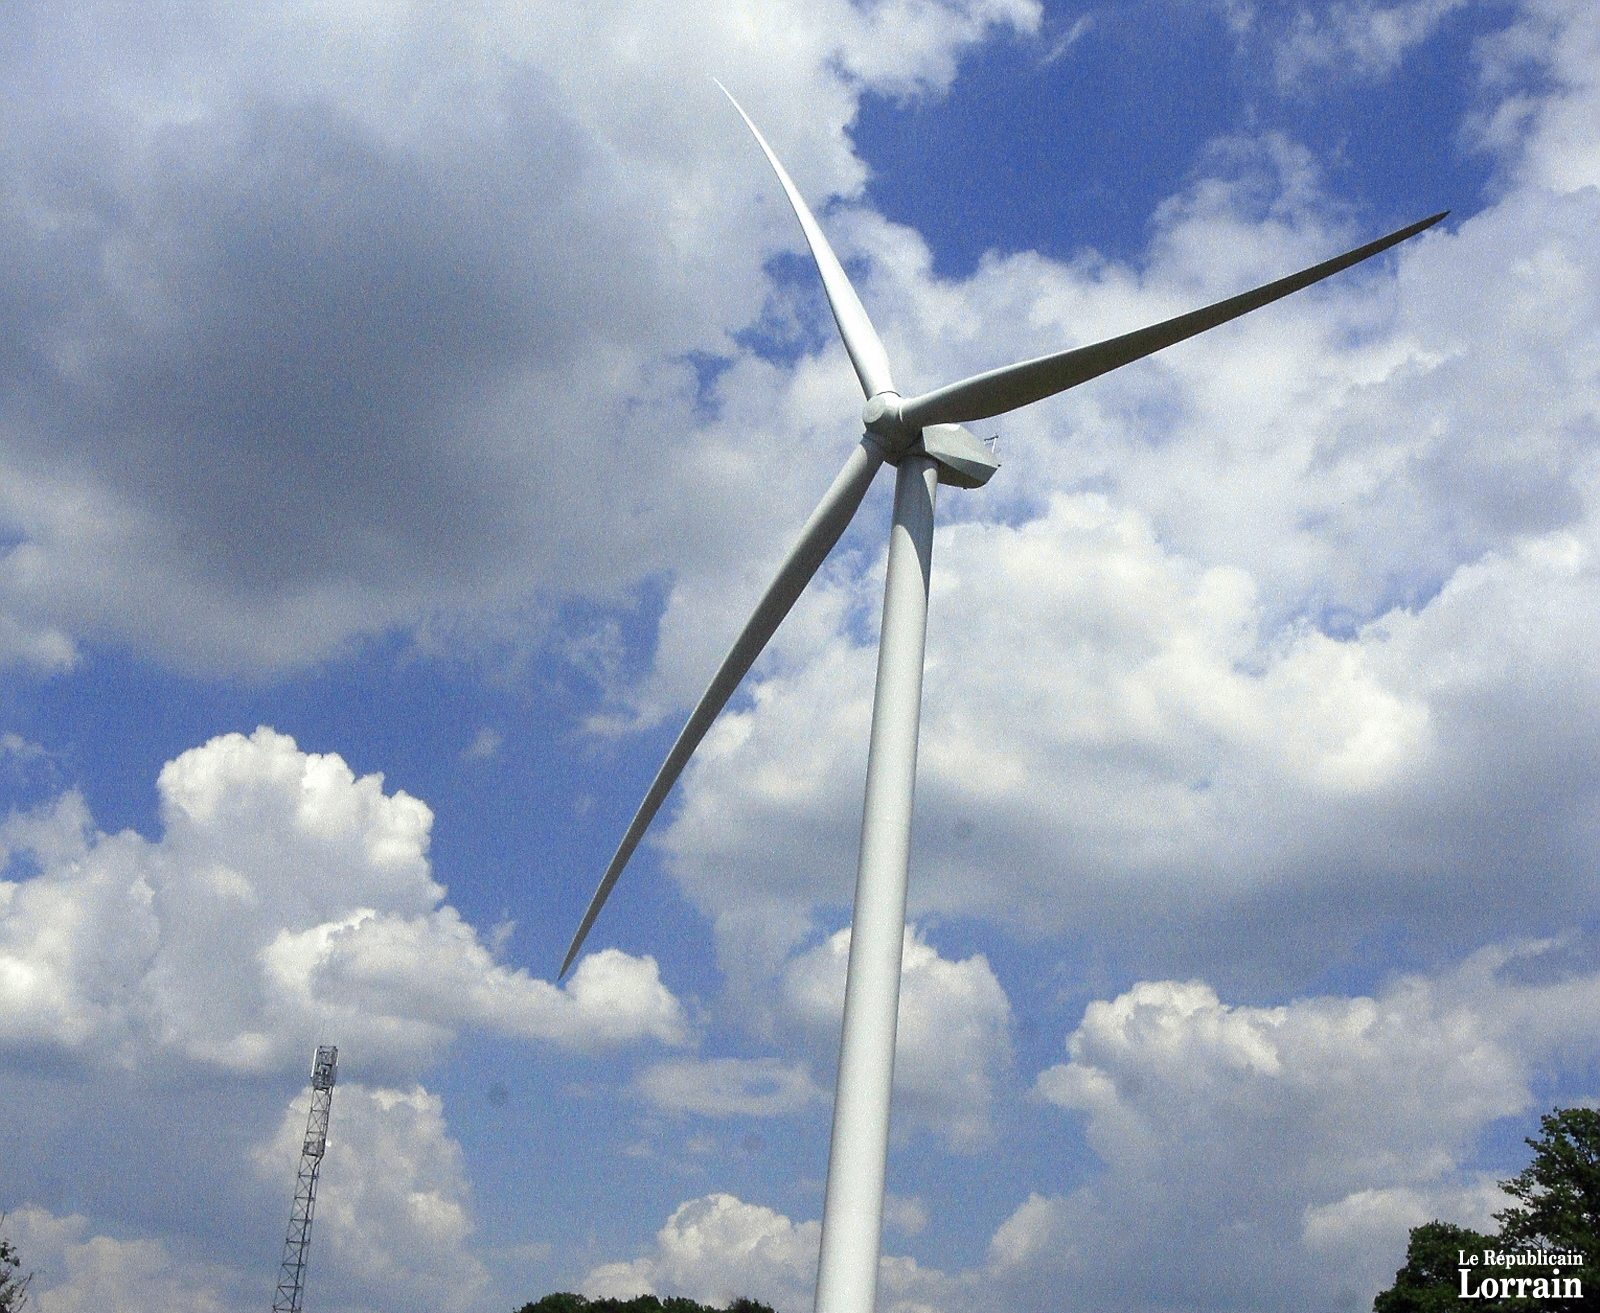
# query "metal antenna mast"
(292, 1272)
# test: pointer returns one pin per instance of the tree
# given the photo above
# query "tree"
(13, 1285)
(566, 1302)
(1560, 1188)
(1428, 1281)
(1559, 1196)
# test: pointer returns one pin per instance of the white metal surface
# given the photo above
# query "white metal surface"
(919, 436)
(866, 352)
(999, 390)
(821, 531)
(852, 1211)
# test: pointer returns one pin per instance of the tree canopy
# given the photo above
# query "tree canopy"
(13, 1282)
(1560, 1189)
(1428, 1281)
(566, 1302)
(1558, 1209)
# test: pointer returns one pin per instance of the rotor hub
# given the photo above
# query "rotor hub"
(881, 418)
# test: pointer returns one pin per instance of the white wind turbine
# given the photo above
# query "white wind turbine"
(922, 437)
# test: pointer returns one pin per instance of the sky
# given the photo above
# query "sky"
(401, 407)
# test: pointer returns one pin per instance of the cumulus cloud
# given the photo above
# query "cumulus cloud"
(716, 1249)
(148, 984)
(153, 983)
(953, 1042)
(952, 1048)
(1284, 1151)
(393, 1208)
(77, 1272)
(286, 899)
(1253, 1157)
(392, 1229)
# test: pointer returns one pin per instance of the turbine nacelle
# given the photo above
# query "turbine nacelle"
(963, 460)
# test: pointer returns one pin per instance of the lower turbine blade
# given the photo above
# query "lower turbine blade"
(985, 395)
(821, 532)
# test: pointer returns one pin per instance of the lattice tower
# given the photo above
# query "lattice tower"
(292, 1271)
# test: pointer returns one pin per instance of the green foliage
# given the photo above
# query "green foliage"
(1560, 1189)
(1559, 1194)
(1429, 1282)
(566, 1302)
(13, 1285)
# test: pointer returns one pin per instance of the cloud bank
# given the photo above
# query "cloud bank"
(148, 984)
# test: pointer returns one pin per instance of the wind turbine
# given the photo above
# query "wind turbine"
(923, 438)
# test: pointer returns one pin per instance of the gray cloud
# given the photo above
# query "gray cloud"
(316, 325)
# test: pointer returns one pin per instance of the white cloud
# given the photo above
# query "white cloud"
(1287, 1150)
(76, 1272)
(393, 1216)
(431, 974)
(1354, 37)
(148, 984)
(1369, 1221)
(908, 1216)
(393, 1226)
(484, 747)
(391, 1231)
(286, 899)
(74, 935)
(1073, 659)
(716, 1249)
(1254, 1157)
(953, 1041)
(729, 1087)
(1545, 139)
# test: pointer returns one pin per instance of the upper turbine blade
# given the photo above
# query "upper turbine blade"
(821, 531)
(1000, 390)
(860, 338)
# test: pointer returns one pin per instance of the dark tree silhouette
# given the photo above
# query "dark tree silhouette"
(13, 1282)
(1559, 1209)
(566, 1302)
(1560, 1189)
(1428, 1283)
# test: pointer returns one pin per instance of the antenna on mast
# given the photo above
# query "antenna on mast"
(292, 1272)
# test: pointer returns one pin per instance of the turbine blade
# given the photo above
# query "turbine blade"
(1000, 390)
(860, 338)
(821, 531)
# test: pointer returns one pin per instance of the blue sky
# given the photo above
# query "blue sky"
(403, 406)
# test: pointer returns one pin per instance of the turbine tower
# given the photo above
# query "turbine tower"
(292, 1271)
(923, 438)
